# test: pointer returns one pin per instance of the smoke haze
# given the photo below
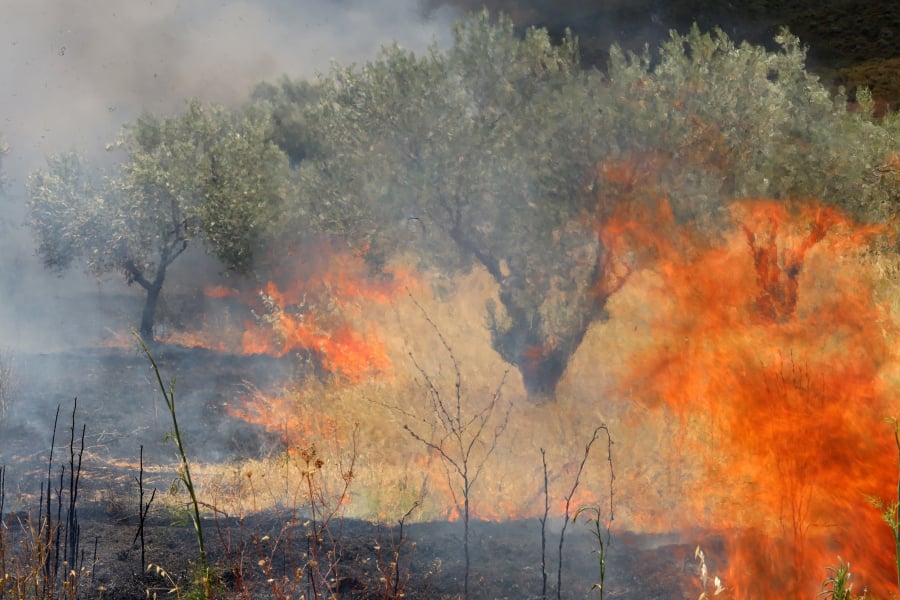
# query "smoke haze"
(73, 72)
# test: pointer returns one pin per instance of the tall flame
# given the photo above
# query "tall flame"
(769, 349)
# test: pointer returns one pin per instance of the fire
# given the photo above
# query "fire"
(339, 348)
(289, 414)
(769, 349)
(310, 306)
(763, 373)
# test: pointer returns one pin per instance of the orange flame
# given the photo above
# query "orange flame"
(769, 349)
(287, 415)
(310, 306)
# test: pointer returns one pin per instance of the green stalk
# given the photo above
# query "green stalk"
(185, 472)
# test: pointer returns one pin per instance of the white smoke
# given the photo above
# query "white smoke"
(72, 72)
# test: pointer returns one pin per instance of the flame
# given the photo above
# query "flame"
(339, 348)
(310, 306)
(317, 310)
(764, 371)
(197, 339)
(769, 349)
(288, 413)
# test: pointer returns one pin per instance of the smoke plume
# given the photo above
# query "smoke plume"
(74, 72)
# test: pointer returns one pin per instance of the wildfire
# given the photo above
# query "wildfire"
(769, 349)
(765, 363)
(310, 306)
(758, 356)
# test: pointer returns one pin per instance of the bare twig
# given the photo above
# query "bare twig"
(461, 438)
(602, 523)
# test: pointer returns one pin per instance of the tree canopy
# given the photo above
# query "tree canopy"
(501, 151)
(438, 154)
(287, 102)
(205, 175)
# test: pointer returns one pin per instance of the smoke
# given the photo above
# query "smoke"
(74, 72)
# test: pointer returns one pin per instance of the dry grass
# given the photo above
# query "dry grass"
(40, 553)
(26, 549)
(710, 584)
(393, 471)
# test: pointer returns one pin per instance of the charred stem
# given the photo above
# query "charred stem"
(59, 537)
(143, 510)
(544, 527)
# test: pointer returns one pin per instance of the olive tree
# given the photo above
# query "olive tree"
(288, 102)
(735, 120)
(205, 175)
(500, 151)
(436, 155)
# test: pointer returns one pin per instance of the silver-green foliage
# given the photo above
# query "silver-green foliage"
(739, 121)
(288, 101)
(205, 175)
(490, 152)
(438, 154)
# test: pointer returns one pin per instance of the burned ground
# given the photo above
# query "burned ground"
(120, 412)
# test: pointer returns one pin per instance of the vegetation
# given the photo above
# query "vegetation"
(598, 517)
(40, 555)
(431, 154)
(287, 102)
(890, 510)
(710, 585)
(206, 174)
(204, 578)
(461, 431)
(837, 585)
(500, 152)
